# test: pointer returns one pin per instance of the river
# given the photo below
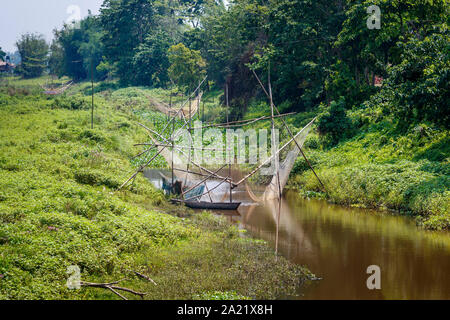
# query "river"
(338, 244)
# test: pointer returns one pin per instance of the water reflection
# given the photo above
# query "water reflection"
(338, 244)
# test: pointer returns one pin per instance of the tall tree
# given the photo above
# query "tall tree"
(33, 50)
(151, 62)
(76, 50)
(126, 24)
(187, 66)
(2, 54)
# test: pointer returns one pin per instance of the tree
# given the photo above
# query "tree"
(2, 54)
(127, 24)
(187, 66)
(334, 123)
(33, 50)
(76, 50)
(151, 62)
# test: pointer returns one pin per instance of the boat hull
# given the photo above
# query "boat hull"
(210, 205)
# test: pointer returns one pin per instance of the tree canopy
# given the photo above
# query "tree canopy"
(33, 50)
(2, 54)
(317, 51)
(187, 66)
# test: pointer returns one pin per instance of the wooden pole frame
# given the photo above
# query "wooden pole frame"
(291, 134)
(228, 149)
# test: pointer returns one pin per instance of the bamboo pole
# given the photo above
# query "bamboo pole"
(190, 139)
(169, 146)
(292, 136)
(201, 182)
(209, 192)
(229, 151)
(192, 172)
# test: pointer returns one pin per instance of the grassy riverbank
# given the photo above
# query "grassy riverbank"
(59, 207)
(378, 167)
(381, 168)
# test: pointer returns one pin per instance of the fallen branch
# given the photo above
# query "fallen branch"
(145, 277)
(112, 286)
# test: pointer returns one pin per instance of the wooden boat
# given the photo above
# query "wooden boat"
(209, 205)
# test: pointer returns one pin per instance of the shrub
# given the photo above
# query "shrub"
(96, 178)
(334, 123)
(70, 103)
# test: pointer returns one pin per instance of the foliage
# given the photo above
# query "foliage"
(151, 61)
(334, 123)
(186, 66)
(126, 25)
(33, 51)
(418, 87)
(59, 206)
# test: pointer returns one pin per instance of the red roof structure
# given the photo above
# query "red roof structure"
(6, 66)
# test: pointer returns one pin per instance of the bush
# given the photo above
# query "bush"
(334, 123)
(96, 178)
(70, 103)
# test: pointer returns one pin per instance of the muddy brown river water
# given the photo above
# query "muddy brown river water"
(338, 244)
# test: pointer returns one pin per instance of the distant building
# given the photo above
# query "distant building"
(6, 66)
(378, 81)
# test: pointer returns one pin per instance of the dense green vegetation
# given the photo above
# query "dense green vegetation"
(59, 207)
(381, 138)
(316, 52)
(33, 50)
(381, 169)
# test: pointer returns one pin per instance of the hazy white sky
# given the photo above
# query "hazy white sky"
(42, 16)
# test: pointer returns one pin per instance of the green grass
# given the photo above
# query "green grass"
(59, 207)
(380, 168)
(377, 168)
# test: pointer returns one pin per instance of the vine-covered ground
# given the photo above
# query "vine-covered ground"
(59, 207)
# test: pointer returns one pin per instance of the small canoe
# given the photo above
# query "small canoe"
(210, 205)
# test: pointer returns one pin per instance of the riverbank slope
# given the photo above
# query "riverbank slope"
(59, 207)
(375, 166)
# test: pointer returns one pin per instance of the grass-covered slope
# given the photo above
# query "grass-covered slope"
(59, 207)
(381, 168)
